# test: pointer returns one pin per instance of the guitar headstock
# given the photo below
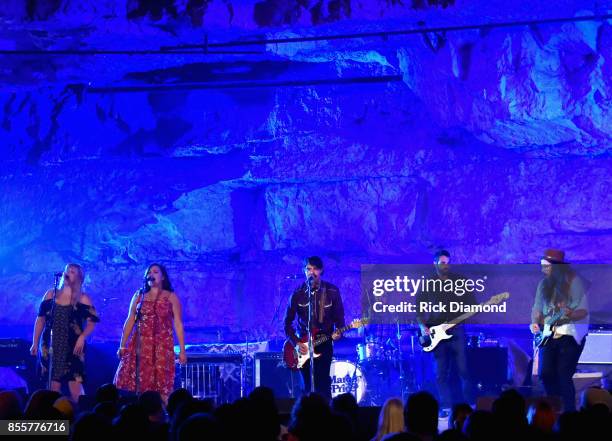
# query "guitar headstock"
(498, 298)
(357, 323)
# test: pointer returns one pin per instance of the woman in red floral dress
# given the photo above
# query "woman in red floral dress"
(157, 308)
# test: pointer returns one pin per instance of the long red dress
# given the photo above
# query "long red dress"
(156, 353)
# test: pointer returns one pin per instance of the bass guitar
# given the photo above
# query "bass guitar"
(438, 333)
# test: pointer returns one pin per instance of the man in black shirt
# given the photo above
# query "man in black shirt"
(451, 351)
(328, 316)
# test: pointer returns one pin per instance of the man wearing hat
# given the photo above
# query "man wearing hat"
(561, 310)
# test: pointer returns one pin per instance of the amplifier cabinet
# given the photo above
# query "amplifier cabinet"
(597, 349)
(270, 371)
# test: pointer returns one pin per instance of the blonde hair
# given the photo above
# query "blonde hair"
(391, 418)
(79, 269)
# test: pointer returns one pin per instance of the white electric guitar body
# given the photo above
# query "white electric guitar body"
(438, 333)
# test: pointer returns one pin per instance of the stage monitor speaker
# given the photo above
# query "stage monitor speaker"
(11, 379)
(270, 371)
(584, 380)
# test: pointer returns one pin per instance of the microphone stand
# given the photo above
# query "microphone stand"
(138, 343)
(402, 377)
(282, 300)
(50, 350)
(310, 340)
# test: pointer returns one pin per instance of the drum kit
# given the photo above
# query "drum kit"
(383, 367)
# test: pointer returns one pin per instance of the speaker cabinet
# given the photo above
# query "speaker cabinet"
(270, 371)
(488, 367)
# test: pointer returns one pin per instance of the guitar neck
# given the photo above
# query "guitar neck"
(463, 317)
(325, 338)
(457, 320)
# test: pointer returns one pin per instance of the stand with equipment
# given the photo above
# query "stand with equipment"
(138, 342)
(311, 298)
(52, 316)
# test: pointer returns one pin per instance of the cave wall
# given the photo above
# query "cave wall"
(230, 168)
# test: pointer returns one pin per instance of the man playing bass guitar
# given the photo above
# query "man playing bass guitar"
(449, 354)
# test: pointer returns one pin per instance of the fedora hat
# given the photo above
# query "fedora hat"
(554, 256)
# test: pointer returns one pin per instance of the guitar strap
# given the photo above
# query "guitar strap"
(322, 301)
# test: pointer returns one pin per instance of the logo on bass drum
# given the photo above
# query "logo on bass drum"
(346, 377)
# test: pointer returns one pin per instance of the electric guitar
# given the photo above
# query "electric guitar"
(547, 331)
(291, 353)
(438, 333)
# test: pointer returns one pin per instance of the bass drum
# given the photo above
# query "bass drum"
(347, 377)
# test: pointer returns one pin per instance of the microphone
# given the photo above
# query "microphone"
(310, 279)
(146, 282)
(58, 274)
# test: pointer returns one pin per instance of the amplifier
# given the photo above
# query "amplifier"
(488, 366)
(17, 366)
(14, 351)
(597, 349)
(270, 371)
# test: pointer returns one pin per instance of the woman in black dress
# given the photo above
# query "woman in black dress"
(74, 319)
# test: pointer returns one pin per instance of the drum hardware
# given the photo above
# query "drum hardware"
(389, 370)
(481, 340)
(398, 352)
(371, 352)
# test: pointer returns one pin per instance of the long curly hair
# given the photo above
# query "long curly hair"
(557, 286)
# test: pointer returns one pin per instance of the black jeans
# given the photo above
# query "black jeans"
(451, 353)
(322, 364)
(559, 358)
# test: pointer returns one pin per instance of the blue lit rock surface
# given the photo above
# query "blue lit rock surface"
(229, 168)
